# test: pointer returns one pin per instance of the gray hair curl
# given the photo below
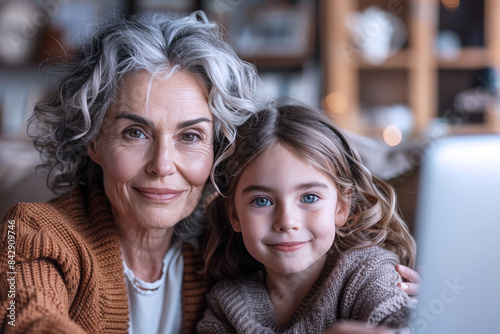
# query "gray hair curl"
(71, 114)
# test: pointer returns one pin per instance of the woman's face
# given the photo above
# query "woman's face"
(155, 149)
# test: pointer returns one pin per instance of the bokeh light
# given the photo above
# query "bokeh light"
(451, 5)
(392, 135)
(336, 102)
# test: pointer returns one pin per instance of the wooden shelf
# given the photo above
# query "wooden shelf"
(463, 129)
(400, 60)
(468, 58)
(419, 60)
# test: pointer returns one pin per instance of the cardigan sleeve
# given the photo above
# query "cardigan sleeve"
(372, 294)
(34, 295)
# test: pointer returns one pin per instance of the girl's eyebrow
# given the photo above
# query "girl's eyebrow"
(302, 186)
(256, 187)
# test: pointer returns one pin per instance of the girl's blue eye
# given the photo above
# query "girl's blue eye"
(261, 201)
(309, 198)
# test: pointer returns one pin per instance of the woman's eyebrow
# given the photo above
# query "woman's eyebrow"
(191, 122)
(142, 120)
(135, 118)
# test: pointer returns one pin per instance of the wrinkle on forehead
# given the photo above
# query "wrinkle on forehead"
(138, 88)
(160, 75)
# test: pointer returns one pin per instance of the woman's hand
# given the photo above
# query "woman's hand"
(411, 281)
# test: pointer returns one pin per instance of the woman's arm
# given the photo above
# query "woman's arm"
(41, 301)
(33, 294)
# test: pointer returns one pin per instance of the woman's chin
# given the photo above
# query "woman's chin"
(148, 217)
(159, 218)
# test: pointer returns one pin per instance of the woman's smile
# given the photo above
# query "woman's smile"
(164, 195)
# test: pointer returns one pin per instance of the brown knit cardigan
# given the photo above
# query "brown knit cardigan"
(68, 269)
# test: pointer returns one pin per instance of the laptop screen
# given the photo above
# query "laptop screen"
(458, 236)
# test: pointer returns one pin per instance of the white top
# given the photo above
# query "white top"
(157, 307)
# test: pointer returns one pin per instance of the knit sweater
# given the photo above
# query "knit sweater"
(69, 271)
(359, 285)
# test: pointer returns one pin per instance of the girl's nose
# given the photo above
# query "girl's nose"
(286, 220)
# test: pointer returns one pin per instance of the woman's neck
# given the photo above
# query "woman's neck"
(286, 291)
(143, 250)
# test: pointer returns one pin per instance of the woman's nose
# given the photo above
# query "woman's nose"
(286, 219)
(161, 163)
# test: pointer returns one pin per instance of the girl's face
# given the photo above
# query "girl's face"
(286, 210)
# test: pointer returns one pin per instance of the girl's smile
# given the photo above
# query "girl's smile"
(288, 246)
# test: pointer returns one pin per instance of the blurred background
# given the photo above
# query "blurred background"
(397, 74)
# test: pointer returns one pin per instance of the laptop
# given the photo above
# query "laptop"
(458, 237)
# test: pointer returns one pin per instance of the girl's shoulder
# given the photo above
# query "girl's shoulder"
(372, 254)
(364, 262)
(367, 279)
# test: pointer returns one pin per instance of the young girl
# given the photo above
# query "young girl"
(303, 234)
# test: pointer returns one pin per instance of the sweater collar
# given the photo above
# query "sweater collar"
(107, 251)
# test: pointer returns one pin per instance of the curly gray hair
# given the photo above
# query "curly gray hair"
(71, 114)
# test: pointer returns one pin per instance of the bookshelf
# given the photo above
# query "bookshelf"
(417, 75)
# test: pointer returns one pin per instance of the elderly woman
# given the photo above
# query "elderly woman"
(130, 130)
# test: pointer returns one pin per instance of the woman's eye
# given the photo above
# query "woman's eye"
(261, 201)
(309, 198)
(190, 137)
(136, 134)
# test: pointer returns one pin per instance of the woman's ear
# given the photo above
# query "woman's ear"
(233, 217)
(92, 152)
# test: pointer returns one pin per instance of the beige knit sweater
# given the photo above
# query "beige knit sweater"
(358, 285)
(69, 274)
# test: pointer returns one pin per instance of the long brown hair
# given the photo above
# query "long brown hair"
(309, 133)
